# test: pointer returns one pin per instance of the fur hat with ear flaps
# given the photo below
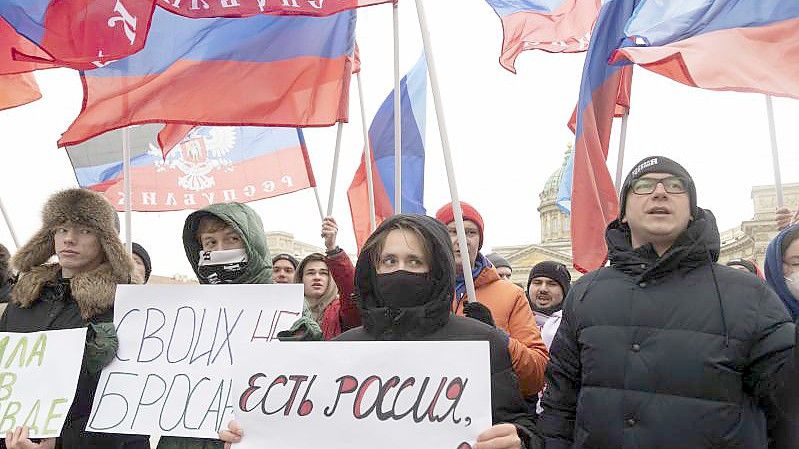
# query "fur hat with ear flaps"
(93, 290)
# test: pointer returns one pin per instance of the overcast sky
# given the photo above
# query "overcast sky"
(507, 132)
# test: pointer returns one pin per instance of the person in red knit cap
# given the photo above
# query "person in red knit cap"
(499, 302)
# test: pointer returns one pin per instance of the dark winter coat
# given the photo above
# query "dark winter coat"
(41, 300)
(432, 321)
(246, 222)
(58, 306)
(670, 352)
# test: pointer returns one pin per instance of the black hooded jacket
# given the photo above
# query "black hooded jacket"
(671, 352)
(433, 322)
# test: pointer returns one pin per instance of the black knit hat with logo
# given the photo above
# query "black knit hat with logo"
(657, 164)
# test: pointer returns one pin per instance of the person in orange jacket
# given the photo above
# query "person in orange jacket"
(499, 302)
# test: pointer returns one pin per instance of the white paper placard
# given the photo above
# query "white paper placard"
(38, 377)
(177, 344)
(350, 395)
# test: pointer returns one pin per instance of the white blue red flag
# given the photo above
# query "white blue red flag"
(413, 102)
(80, 34)
(556, 26)
(256, 71)
(744, 45)
(593, 197)
(245, 8)
(210, 165)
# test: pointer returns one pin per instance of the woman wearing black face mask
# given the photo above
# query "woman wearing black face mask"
(405, 277)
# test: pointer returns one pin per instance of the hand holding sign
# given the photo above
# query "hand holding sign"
(18, 439)
(501, 436)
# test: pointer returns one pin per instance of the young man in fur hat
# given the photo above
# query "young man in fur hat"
(80, 228)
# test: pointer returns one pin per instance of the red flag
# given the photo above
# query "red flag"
(246, 8)
(10, 42)
(622, 99)
(18, 89)
(81, 34)
(358, 195)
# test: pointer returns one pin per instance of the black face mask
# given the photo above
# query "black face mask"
(222, 267)
(402, 289)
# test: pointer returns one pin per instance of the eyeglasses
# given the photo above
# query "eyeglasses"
(672, 184)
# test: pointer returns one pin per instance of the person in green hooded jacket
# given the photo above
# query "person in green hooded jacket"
(226, 244)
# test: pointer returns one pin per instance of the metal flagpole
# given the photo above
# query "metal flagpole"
(126, 186)
(9, 225)
(319, 203)
(442, 129)
(367, 160)
(397, 117)
(775, 153)
(335, 170)
(622, 145)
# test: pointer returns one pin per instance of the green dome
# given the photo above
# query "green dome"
(550, 192)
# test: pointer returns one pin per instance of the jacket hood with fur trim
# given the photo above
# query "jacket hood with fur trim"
(93, 290)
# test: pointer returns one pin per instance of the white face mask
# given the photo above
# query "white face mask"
(222, 267)
(792, 281)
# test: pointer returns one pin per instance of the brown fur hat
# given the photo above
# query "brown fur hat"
(85, 208)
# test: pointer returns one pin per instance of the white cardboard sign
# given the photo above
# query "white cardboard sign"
(172, 374)
(38, 377)
(350, 395)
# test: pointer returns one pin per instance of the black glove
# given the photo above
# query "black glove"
(478, 312)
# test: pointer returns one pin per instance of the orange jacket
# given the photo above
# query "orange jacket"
(512, 313)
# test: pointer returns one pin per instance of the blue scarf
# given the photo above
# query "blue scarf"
(460, 282)
(774, 275)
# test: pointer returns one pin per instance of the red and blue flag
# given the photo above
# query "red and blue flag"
(11, 42)
(551, 25)
(750, 46)
(256, 71)
(593, 197)
(245, 8)
(80, 34)
(413, 103)
(210, 165)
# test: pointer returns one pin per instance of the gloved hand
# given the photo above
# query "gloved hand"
(479, 312)
(304, 329)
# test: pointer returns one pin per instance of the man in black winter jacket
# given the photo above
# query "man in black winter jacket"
(666, 349)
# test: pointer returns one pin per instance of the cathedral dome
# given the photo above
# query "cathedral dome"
(550, 192)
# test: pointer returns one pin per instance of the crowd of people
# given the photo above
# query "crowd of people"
(663, 348)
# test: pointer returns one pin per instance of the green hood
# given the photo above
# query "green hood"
(248, 224)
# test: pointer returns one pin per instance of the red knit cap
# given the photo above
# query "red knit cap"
(446, 215)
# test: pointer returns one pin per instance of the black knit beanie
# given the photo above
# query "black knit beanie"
(657, 164)
(287, 257)
(552, 270)
(145, 257)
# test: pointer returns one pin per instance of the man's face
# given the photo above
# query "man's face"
(658, 217)
(223, 239)
(78, 249)
(138, 267)
(315, 277)
(472, 242)
(282, 272)
(504, 273)
(545, 292)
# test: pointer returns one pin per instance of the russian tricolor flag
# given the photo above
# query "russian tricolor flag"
(750, 46)
(259, 71)
(413, 102)
(593, 200)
